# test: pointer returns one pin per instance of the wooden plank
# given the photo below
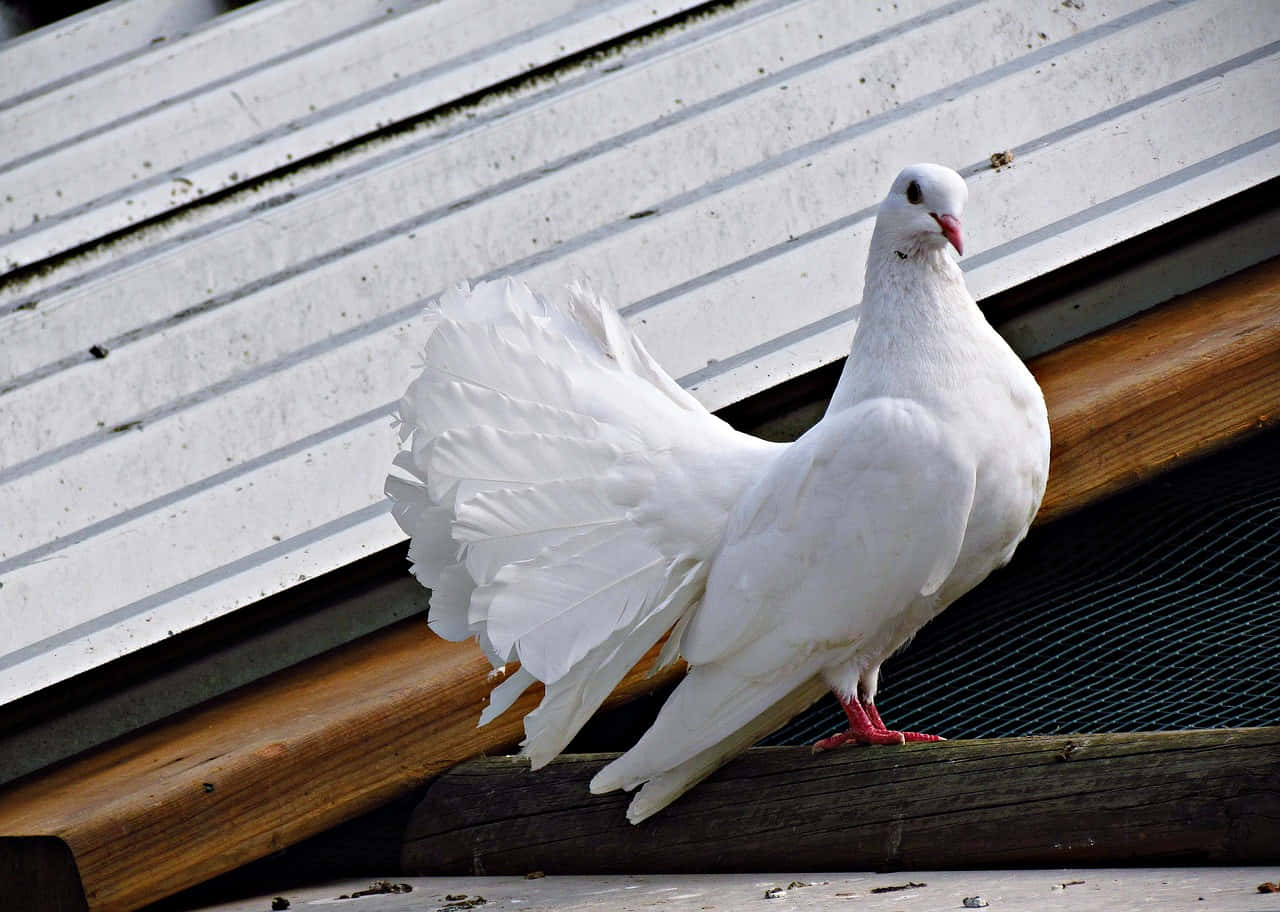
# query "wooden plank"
(334, 737)
(1193, 797)
(1162, 388)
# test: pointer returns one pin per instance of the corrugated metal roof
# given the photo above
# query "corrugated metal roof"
(716, 174)
(37, 61)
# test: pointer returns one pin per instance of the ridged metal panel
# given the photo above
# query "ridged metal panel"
(37, 61)
(250, 96)
(718, 179)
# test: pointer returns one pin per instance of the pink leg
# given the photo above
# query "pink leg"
(874, 715)
(866, 727)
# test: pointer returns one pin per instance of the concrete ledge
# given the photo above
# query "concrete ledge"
(1077, 890)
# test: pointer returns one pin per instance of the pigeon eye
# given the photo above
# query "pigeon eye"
(913, 193)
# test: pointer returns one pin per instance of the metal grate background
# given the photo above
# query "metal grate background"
(1156, 609)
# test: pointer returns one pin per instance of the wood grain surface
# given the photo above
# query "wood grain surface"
(289, 756)
(1169, 797)
(1162, 388)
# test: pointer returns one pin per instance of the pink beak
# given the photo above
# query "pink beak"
(950, 226)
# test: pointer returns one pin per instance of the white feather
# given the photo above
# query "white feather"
(660, 790)
(670, 652)
(618, 342)
(504, 527)
(487, 458)
(431, 544)
(505, 694)
(434, 404)
(572, 699)
(479, 355)
(489, 303)
(450, 604)
(557, 607)
(555, 445)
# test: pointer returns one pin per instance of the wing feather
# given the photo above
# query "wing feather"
(889, 458)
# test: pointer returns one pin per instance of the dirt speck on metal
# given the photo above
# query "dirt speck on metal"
(460, 902)
(909, 885)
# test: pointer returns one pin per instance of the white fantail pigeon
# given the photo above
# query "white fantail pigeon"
(570, 504)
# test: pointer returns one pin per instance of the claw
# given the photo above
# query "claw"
(866, 727)
(850, 737)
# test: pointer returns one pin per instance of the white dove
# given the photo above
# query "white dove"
(571, 504)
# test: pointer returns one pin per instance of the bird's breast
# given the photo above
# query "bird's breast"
(1010, 431)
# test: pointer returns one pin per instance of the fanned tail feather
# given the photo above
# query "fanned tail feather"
(572, 699)
(552, 610)
(619, 343)
(435, 403)
(540, 441)
(479, 459)
(502, 527)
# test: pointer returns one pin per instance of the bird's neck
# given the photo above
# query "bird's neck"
(920, 334)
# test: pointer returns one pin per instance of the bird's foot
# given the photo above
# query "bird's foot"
(840, 739)
(866, 727)
(873, 716)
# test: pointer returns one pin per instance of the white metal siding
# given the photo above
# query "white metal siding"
(37, 61)
(718, 180)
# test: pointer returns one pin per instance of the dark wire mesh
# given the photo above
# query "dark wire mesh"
(1157, 609)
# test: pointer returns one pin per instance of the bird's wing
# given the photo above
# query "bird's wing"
(863, 514)
(854, 523)
(564, 494)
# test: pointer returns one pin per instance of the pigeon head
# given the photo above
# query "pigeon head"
(922, 211)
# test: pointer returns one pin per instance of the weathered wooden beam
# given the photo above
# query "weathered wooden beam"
(283, 759)
(1185, 797)
(1162, 388)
